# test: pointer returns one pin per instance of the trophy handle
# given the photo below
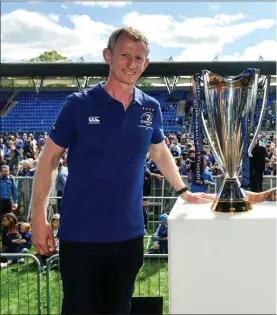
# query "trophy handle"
(205, 75)
(265, 89)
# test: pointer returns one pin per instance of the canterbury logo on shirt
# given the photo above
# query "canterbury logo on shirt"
(94, 120)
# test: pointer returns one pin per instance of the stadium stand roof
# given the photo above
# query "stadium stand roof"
(163, 69)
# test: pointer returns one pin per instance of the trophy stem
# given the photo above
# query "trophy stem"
(231, 199)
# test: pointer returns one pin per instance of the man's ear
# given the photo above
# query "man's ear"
(107, 55)
(146, 64)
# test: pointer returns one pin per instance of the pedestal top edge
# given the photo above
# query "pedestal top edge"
(183, 210)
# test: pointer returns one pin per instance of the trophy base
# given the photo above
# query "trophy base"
(231, 199)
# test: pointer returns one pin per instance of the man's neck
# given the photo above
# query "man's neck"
(119, 91)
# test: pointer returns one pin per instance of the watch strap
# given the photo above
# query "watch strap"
(182, 190)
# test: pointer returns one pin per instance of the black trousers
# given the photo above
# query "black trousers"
(256, 183)
(99, 278)
(5, 207)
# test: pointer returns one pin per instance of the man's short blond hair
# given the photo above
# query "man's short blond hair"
(130, 32)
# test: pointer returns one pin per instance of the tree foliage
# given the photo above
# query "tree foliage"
(49, 56)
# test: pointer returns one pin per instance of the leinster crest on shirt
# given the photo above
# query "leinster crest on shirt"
(146, 120)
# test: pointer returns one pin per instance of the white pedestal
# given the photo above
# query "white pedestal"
(222, 263)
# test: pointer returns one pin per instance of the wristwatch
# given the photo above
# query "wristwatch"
(182, 190)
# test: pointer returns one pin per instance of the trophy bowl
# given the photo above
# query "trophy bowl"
(231, 104)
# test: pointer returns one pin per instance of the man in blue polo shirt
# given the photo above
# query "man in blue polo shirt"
(102, 228)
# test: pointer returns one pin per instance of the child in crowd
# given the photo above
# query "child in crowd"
(25, 231)
(162, 234)
(55, 224)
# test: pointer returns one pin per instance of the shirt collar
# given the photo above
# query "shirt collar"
(138, 94)
(6, 178)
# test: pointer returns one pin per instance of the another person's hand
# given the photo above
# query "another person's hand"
(42, 237)
(254, 197)
(197, 197)
(160, 177)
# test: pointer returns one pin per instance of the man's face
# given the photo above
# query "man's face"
(127, 60)
(25, 165)
(15, 168)
(5, 171)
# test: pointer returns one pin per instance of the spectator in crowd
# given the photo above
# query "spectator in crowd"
(162, 234)
(32, 171)
(216, 170)
(3, 148)
(14, 155)
(8, 191)
(2, 161)
(11, 239)
(147, 187)
(26, 234)
(206, 177)
(28, 149)
(151, 165)
(271, 152)
(257, 167)
(15, 170)
(19, 142)
(268, 168)
(60, 183)
(178, 161)
(26, 168)
(105, 189)
(55, 224)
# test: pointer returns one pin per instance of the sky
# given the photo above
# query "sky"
(186, 31)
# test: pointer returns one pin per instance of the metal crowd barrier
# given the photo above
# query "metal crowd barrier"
(160, 189)
(31, 289)
(20, 286)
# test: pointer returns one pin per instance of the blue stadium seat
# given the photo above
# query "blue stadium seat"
(37, 112)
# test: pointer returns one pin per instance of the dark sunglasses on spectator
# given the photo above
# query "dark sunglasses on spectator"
(55, 220)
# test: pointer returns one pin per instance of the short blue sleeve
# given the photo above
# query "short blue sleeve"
(158, 134)
(211, 179)
(63, 130)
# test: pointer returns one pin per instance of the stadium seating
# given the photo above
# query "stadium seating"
(36, 112)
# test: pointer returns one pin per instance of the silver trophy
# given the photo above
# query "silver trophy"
(231, 106)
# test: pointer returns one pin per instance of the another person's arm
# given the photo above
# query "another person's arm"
(210, 180)
(268, 195)
(14, 193)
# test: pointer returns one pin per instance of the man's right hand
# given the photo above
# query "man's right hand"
(42, 237)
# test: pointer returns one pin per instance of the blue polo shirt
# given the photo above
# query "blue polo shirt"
(102, 200)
